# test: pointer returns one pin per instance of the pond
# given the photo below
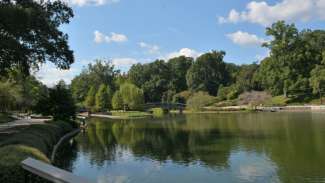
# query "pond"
(230, 147)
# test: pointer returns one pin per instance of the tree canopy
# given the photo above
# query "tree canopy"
(30, 35)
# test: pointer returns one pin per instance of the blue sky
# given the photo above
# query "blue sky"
(132, 31)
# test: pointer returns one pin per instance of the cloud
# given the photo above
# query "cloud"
(113, 37)
(184, 52)
(50, 75)
(124, 61)
(265, 14)
(152, 49)
(90, 2)
(245, 39)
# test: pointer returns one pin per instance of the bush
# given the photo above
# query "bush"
(159, 112)
(200, 100)
(228, 93)
(36, 141)
(182, 97)
(253, 98)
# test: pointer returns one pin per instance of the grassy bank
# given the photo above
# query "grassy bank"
(36, 141)
(131, 114)
(5, 118)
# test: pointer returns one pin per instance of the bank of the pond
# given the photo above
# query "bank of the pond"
(35, 141)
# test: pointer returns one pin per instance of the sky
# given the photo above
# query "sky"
(140, 31)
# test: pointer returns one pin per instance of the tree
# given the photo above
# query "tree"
(132, 96)
(207, 73)
(10, 95)
(102, 72)
(199, 100)
(90, 99)
(317, 81)
(103, 99)
(59, 103)
(152, 78)
(178, 68)
(30, 35)
(117, 101)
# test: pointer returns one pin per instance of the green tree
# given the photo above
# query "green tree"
(103, 100)
(317, 80)
(178, 68)
(94, 75)
(207, 73)
(58, 103)
(10, 96)
(90, 99)
(30, 34)
(117, 101)
(132, 96)
(199, 100)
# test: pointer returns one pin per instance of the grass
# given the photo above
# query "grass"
(131, 114)
(36, 141)
(277, 101)
(5, 118)
(159, 112)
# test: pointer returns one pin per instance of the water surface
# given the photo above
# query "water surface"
(234, 147)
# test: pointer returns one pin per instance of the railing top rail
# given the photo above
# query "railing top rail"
(51, 173)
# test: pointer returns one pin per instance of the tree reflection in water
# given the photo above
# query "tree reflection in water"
(285, 147)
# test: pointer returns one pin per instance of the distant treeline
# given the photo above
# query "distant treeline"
(296, 64)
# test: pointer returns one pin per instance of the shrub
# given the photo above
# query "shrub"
(158, 112)
(228, 93)
(253, 98)
(200, 100)
(182, 97)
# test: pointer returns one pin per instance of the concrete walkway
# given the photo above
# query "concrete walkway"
(21, 122)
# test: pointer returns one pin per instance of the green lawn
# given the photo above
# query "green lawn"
(5, 118)
(131, 114)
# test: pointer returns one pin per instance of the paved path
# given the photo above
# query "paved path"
(21, 122)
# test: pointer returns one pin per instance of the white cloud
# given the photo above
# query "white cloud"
(245, 39)
(90, 2)
(184, 52)
(124, 61)
(151, 48)
(50, 75)
(113, 37)
(265, 14)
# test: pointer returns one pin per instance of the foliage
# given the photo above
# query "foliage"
(228, 93)
(152, 78)
(317, 79)
(293, 55)
(90, 99)
(182, 97)
(117, 101)
(30, 34)
(178, 68)
(159, 112)
(207, 73)
(199, 100)
(132, 96)
(103, 98)
(10, 96)
(59, 103)
(5, 118)
(277, 101)
(102, 72)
